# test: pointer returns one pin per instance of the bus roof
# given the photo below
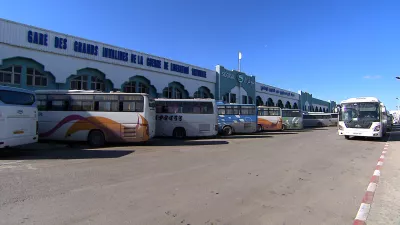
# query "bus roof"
(263, 106)
(83, 92)
(291, 109)
(8, 88)
(186, 100)
(361, 99)
(221, 103)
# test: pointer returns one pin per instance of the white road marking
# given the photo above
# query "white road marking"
(380, 163)
(377, 173)
(362, 213)
(382, 157)
(371, 187)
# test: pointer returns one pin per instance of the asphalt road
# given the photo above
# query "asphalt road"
(312, 177)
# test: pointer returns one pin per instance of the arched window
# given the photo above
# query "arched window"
(79, 83)
(11, 75)
(167, 92)
(270, 102)
(178, 94)
(259, 101)
(320, 109)
(130, 87)
(287, 105)
(279, 104)
(295, 106)
(35, 78)
(143, 88)
(97, 84)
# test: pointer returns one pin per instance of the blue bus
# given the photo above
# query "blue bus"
(236, 118)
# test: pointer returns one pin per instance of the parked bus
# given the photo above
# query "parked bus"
(95, 117)
(317, 119)
(335, 119)
(236, 118)
(389, 122)
(18, 117)
(269, 118)
(182, 118)
(292, 119)
(363, 116)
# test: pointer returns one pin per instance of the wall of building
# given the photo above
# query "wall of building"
(269, 95)
(63, 57)
(234, 82)
(36, 58)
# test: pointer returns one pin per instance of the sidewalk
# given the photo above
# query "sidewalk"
(385, 209)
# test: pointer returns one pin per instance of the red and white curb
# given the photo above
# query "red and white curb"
(365, 206)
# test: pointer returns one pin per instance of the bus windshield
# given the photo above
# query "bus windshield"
(359, 112)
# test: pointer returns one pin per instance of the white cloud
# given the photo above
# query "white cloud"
(372, 77)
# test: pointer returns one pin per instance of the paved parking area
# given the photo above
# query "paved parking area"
(307, 177)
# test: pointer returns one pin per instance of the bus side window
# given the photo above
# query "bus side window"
(221, 110)
(206, 108)
(244, 110)
(236, 110)
(187, 107)
(196, 108)
(229, 110)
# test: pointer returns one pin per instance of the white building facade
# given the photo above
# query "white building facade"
(273, 96)
(35, 58)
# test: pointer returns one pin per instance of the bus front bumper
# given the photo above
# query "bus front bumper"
(361, 133)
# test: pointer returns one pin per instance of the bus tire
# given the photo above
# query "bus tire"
(179, 133)
(319, 124)
(96, 138)
(227, 130)
(347, 137)
(259, 128)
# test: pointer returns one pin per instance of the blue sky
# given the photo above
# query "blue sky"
(334, 49)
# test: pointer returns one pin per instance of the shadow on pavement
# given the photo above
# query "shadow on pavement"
(172, 142)
(246, 136)
(33, 154)
(279, 133)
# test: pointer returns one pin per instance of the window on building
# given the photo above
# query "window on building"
(79, 83)
(244, 99)
(143, 88)
(35, 78)
(167, 92)
(250, 100)
(97, 84)
(178, 94)
(11, 75)
(232, 98)
(130, 87)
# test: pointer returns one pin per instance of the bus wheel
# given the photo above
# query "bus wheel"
(319, 124)
(259, 128)
(179, 133)
(227, 130)
(347, 137)
(96, 138)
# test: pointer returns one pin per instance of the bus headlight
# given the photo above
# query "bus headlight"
(377, 128)
(340, 127)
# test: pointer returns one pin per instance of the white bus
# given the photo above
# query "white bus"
(335, 118)
(182, 118)
(363, 116)
(317, 119)
(18, 117)
(95, 117)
